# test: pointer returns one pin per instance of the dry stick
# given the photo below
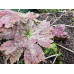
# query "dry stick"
(57, 19)
(69, 26)
(46, 18)
(65, 48)
(51, 56)
(65, 25)
(55, 59)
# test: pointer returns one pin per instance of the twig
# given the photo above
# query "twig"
(57, 19)
(55, 59)
(65, 48)
(51, 56)
(65, 25)
(46, 18)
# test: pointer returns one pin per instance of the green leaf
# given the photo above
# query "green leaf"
(46, 51)
(54, 45)
(60, 62)
(22, 62)
(54, 49)
(59, 53)
(72, 19)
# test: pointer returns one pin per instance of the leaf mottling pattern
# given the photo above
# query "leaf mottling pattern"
(25, 31)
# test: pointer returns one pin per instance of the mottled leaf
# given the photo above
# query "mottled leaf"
(9, 47)
(34, 55)
(31, 15)
(15, 56)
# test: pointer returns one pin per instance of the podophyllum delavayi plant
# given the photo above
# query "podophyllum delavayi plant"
(24, 31)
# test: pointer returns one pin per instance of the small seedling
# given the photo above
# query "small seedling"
(52, 51)
(22, 62)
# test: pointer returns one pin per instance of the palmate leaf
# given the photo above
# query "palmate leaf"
(58, 31)
(34, 54)
(8, 47)
(15, 56)
(28, 33)
(7, 33)
(8, 18)
(31, 15)
(45, 42)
